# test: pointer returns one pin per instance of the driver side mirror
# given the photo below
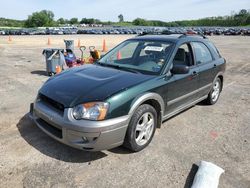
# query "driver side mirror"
(180, 69)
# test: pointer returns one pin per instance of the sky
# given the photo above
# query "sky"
(108, 10)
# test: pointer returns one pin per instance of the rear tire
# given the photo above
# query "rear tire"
(141, 128)
(214, 94)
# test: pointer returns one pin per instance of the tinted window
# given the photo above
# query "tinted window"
(202, 53)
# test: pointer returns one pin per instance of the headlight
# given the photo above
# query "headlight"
(91, 111)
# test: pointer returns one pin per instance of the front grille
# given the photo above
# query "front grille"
(50, 128)
(51, 102)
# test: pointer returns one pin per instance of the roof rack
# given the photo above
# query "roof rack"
(198, 34)
(166, 32)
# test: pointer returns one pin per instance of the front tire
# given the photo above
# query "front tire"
(214, 94)
(141, 128)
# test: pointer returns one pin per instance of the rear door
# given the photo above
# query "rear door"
(207, 67)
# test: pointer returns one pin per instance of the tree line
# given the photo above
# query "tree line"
(46, 18)
(11, 23)
(242, 18)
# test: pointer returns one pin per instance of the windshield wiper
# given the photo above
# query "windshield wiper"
(118, 67)
(108, 65)
(129, 69)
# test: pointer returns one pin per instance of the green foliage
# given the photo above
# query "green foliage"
(73, 21)
(61, 21)
(143, 22)
(239, 19)
(44, 18)
(11, 23)
(140, 22)
(90, 21)
(121, 18)
(121, 24)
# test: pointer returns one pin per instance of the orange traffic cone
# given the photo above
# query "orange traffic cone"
(9, 39)
(104, 47)
(79, 43)
(58, 69)
(119, 55)
(49, 42)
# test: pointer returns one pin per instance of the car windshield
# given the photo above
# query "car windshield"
(147, 57)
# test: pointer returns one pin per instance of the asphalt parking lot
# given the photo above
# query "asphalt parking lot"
(219, 133)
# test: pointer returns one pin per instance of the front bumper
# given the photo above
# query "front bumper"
(82, 134)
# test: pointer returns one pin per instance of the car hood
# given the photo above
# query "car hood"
(89, 83)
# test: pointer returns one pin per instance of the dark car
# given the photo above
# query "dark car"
(128, 93)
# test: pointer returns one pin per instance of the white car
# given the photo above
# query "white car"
(2, 32)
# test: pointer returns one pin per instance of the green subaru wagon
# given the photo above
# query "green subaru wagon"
(129, 92)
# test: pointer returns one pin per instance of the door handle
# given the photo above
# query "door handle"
(195, 73)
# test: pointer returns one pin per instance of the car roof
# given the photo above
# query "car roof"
(170, 38)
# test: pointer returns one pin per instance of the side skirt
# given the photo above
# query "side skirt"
(177, 111)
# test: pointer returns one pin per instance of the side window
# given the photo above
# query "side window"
(202, 53)
(183, 55)
(212, 46)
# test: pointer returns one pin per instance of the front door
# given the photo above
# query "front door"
(182, 88)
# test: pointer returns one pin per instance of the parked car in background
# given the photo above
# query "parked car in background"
(130, 30)
(2, 32)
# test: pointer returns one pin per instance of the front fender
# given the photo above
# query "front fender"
(145, 97)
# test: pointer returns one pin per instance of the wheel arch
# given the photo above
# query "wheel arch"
(221, 77)
(153, 99)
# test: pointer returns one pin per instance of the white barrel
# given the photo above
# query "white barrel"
(207, 176)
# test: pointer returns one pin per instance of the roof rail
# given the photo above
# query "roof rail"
(166, 32)
(198, 34)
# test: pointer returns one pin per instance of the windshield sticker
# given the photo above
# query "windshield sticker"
(153, 48)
